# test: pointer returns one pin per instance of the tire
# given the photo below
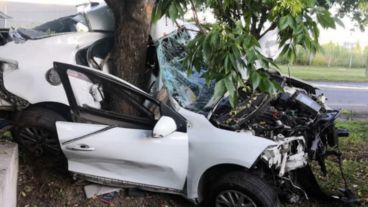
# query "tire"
(35, 131)
(237, 185)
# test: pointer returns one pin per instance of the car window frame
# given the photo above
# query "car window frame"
(62, 70)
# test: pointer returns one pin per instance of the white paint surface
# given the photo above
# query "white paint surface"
(35, 58)
(131, 155)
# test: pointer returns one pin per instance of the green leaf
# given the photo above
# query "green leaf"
(214, 38)
(233, 61)
(309, 3)
(255, 79)
(229, 85)
(226, 64)
(291, 21)
(263, 85)
(339, 22)
(283, 23)
(220, 89)
(231, 89)
(325, 19)
(173, 12)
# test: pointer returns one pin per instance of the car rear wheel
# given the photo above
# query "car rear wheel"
(35, 131)
(240, 189)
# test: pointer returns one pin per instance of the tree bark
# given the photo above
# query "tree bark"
(132, 29)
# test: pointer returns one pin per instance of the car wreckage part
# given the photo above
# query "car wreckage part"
(16, 101)
(297, 120)
(280, 156)
(4, 36)
(242, 189)
(34, 129)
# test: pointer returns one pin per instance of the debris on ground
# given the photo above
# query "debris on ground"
(108, 198)
(45, 182)
(94, 190)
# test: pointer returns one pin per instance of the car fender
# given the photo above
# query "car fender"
(211, 146)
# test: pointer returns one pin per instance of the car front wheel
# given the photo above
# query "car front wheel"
(240, 189)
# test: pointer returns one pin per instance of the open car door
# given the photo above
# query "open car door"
(148, 149)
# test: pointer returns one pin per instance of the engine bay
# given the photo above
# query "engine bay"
(297, 119)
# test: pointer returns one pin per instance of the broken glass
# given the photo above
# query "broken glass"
(190, 90)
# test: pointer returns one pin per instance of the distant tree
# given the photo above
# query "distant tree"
(357, 10)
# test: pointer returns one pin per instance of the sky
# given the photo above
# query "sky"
(345, 35)
(339, 35)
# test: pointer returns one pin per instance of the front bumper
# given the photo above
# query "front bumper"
(282, 158)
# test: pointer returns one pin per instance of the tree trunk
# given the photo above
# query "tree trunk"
(132, 29)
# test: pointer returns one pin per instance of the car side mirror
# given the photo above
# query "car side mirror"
(164, 127)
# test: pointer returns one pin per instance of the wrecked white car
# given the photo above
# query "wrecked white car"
(182, 141)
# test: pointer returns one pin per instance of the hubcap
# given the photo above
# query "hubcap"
(233, 198)
(37, 140)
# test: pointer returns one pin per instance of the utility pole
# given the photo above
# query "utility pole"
(366, 66)
(351, 47)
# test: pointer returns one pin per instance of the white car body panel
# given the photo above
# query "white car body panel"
(164, 127)
(210, 146)
(35, 58)
(130, 155)
(100, 17)
(83, 89)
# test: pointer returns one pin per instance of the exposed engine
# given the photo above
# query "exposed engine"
(297, 119)
(297, 111)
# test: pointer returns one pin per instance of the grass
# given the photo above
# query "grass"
(318, 73)
(355, 149)
(355, 161)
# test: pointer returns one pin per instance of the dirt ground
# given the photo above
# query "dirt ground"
(46, 183)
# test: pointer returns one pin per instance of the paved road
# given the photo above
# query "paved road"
(351, 96)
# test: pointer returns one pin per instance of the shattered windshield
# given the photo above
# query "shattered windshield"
(189, 90)
(72, 23)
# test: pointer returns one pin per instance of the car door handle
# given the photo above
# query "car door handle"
(80, 147)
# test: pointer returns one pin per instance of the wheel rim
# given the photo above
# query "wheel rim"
(37, 140)
(233, 198)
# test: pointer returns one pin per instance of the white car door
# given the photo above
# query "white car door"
(119, 147)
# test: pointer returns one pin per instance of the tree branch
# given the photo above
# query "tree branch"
(253, 27)
(196, 19)
(272, 27)
(262, 21)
